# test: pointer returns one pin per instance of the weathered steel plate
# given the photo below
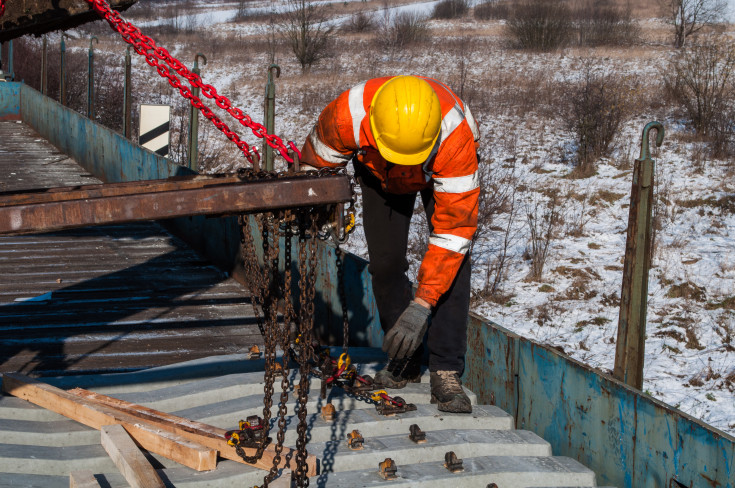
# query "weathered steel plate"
(61, 208)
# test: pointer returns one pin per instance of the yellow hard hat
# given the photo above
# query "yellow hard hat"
(405, 117)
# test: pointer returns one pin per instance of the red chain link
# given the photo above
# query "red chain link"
(145, 46)
(2, 7)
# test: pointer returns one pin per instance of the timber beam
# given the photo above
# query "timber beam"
(81, 206)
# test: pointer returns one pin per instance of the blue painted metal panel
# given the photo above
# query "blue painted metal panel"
(10, 101)
(628, 438)
(103, 152)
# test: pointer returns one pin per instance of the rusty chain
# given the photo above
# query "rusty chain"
(267, 288)
(145, 46)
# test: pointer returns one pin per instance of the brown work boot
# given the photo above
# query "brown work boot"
(447, 392)
(399, 372)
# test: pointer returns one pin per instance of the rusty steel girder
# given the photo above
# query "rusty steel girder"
(81, 206)
(41, 16)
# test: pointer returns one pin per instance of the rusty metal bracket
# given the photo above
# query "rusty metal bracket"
(355, 440)
(81, 206)
(388, 469)
(328, 412)
(249, 433)
(416, 434)
(397, 405)
(453, 463)
(254, 352)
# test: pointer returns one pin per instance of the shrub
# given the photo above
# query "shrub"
(493, 10)
(541, 25)
(602, 23)
(359, 22)
(307, 31)
(597, 108)
(403, 29)
(450, 9)
(700, 79)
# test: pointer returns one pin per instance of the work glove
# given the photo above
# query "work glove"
(408, 332)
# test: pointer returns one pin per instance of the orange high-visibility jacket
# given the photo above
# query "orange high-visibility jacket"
(343, 131)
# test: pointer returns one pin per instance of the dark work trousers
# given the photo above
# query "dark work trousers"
(386, 220)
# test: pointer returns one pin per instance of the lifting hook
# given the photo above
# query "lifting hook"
(196, 61)
(645, 152)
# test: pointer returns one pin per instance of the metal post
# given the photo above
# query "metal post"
(90, 79)
(127, 98)
(630, 347)
(44, 66)
(194, 120)
(62, 72)
(270, 114)
(10, 60)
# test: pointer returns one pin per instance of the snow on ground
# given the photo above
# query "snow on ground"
(690, 353)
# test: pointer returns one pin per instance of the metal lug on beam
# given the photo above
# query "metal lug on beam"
(387, 469)
(254, 352)
(416, 434)
(328, 412)
(355, 440)
(452, 462)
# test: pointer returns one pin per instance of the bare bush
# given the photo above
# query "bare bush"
(543, 218)
(597, 108)
(492, 10)
(307, 31)
(601, 23)
(450, 9)
(360, 21)
(497, 214)
(542, 25)
(700, 79)
(401, 30)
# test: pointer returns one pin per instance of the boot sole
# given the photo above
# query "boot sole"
(450, 407)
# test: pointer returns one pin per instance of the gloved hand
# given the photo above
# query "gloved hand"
(408, 332)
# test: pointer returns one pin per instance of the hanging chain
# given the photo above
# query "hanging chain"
(145, 46)
(342, 298)
(2, 7)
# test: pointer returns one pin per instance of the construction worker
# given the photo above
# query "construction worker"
(408, 135)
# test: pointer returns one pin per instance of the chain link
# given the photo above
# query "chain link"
(2, 7)
(342, 298)
(145, 46)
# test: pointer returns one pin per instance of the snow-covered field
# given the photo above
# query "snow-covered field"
(690, 352)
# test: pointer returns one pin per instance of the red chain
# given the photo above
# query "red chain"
(2, 7)
(146, 46)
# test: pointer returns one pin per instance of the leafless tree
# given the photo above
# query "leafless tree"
(308, 32)
(689, 16)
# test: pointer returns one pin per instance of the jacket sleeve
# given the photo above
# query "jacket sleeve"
(331, 143)
(456, 195)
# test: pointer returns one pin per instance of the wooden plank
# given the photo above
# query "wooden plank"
(167, 444)
(204, 434)
(83, 479)
(128, 458)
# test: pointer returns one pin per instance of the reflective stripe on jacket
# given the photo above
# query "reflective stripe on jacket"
(343, 131)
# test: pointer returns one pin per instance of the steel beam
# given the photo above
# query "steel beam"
(81, 206)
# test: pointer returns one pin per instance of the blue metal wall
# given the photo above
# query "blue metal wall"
(628, 438)
(103, 152)
(10, 101)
